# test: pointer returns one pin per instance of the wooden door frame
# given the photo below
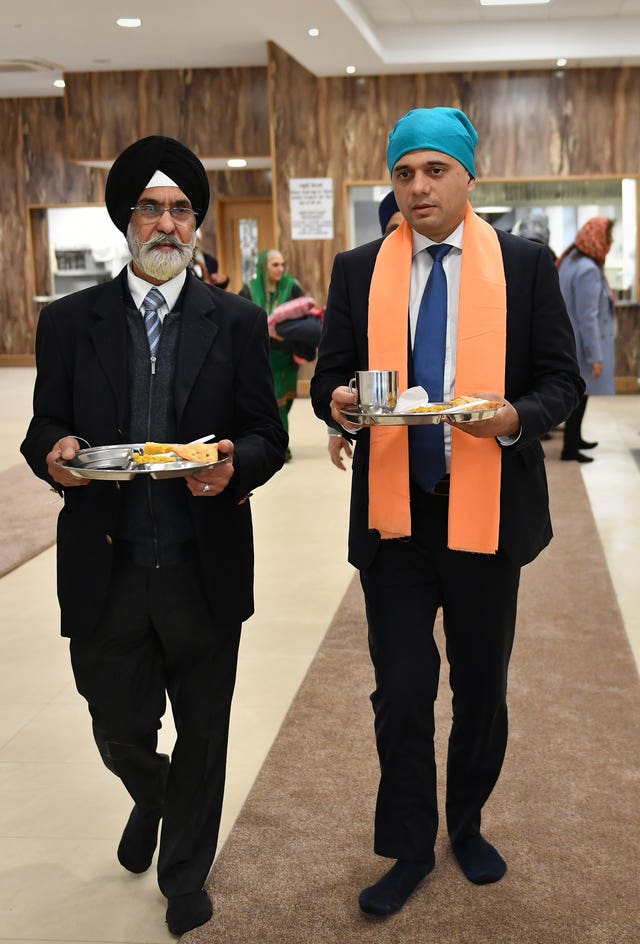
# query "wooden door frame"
(224, 263)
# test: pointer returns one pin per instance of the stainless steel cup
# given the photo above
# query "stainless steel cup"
(377, 390)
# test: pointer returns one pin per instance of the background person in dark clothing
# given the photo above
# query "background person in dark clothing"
(156, 577)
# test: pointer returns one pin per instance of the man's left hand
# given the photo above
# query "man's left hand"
(506, 421)
(214, 480)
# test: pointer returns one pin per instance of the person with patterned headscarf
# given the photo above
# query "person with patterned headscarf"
(272, 286)
(590, 303)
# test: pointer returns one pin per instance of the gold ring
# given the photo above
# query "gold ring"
(205, 488)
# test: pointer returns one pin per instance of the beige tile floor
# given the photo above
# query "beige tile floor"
(61, 812)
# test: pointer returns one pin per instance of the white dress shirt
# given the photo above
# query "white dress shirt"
(169, 290)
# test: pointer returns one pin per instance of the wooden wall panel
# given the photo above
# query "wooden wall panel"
(34, 169)
(217, 112)
(530, 124)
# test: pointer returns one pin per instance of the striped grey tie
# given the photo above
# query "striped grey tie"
(152, 301)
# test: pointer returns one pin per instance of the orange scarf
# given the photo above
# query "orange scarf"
(474, 502)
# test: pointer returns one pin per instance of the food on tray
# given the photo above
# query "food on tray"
(171, 452)
(143, 458)
(429, 408)
(154, 448)
(197, 452)
(477, 402)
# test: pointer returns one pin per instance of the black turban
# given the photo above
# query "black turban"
(133, 169)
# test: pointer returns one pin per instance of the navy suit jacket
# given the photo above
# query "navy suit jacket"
(542, 382)
(223, 385)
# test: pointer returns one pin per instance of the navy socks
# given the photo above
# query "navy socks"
(185, 912)
(479, 860)
(390, 893)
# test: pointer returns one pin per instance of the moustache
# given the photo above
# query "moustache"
(164, 239)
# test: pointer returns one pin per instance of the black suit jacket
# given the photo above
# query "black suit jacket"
(542, 382)
(223, 385)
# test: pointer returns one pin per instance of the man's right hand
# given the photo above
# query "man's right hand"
(344, 399)
(64, 449)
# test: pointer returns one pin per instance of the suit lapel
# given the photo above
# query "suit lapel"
(110, 339)
(196, 337)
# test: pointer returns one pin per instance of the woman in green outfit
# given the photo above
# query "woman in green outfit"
(270, 287)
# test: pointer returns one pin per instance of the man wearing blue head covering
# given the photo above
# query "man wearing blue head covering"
(443, 519)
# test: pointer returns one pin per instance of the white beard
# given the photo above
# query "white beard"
(160, 264)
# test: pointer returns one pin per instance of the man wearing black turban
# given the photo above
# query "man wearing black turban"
(155, 576)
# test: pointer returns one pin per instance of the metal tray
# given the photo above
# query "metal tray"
(114, 464)
(456, 415)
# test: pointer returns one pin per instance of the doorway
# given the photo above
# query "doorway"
(245, 228)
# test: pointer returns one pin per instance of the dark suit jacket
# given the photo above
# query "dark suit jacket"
(223, 385)
(542, 382)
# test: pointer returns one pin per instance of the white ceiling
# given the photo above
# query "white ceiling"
(376, 36)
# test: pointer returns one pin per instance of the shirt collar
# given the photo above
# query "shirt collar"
(421, 242)
(170, 290)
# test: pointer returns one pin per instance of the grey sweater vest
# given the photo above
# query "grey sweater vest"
(155, 528)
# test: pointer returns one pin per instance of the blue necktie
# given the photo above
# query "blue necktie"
(153, 300)
(426, 443)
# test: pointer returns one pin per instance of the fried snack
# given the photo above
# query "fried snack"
(154, 448)
(477, 403)
(460, 401)
(430, 408)
(197, 452)
(143, 458)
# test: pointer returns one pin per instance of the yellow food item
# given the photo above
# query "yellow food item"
(478, 403)
(430, 408)
(143, 458)
(154, 448)
(171, 452)
(197, 452)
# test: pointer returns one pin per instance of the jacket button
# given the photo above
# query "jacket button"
(108, 539)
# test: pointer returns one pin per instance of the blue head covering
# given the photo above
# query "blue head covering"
(434, 129)
(386, 209)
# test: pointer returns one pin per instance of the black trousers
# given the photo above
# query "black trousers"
(403, 588)
(573, 429)
(157, 636)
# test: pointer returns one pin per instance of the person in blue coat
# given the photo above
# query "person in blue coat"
(590, 303)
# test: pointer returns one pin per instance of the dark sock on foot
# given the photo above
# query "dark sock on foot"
(479, 860)
(139, 840)
(576, 457)
(390, 893)
(185, 912)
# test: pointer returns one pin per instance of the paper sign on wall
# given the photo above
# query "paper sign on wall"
(311, 203)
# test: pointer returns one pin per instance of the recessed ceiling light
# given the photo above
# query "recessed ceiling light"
(59, 83)
(492, 209)
(561, 62)
(314, 32)
(236, 162)
(129, 22)
(350, 70)
(511, 3)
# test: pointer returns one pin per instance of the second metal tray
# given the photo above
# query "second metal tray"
(420, 419)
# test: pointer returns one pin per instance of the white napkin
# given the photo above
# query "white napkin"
(412, 398)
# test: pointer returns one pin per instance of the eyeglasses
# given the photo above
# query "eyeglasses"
(152, 212)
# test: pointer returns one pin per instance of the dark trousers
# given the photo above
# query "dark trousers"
(157, 636)
(403, 588)
(573, 429)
